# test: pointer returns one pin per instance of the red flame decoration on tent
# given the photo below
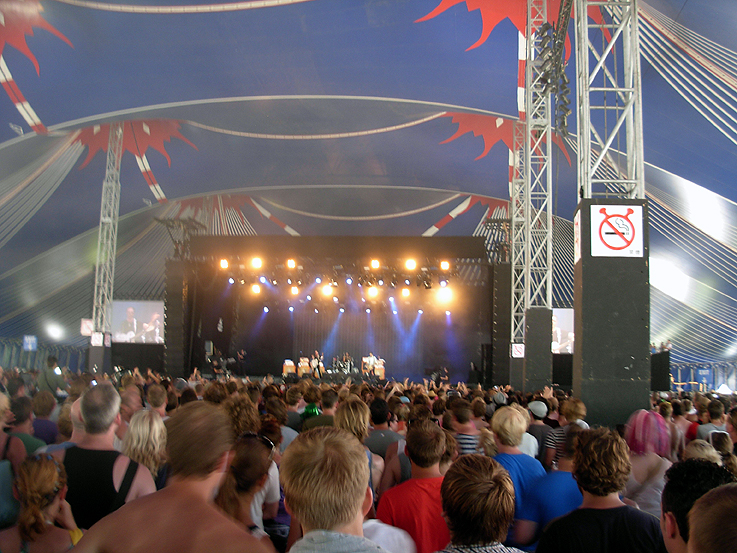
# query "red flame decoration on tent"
(492, 129)
(495, 11)
(138, 137)
(17, 19)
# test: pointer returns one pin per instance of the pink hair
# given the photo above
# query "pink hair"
(647, 431)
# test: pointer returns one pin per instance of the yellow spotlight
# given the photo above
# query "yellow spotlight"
(223, 263)
(291, 263)
(411, 264)
(295, 290)
(256, 263)
(375, 264)
(373, 291)
(445, 294)
(405, 292)
(444, 265)
(256, 289)
(327, 290)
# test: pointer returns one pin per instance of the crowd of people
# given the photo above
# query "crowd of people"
(150, 464)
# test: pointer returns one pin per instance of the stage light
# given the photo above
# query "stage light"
(349, 281)
(295, 290)
(335, 299)
(373, 291)
(375, 264)
(420, 311)
(256, 289)
(291, 263)
(266, 309)
(342, 309)
(262, 280)
(231, 280)
(405, 292)
(289, 281)
(327, 290)
(381, 282)
(411, 264)
(395, 312)
(299, 282)
(316, 311)
(427, 283)
(391, 298)
(445, 294)
(443, 282)
(318, 280)
(291, 309)
(407, 282)
(274, 282)
(447, 313)
(256, 263)
(363, 300)
(368, 310)
(444, 265)
(224, 264)
(55, 332)
(309, 298)
(241, 281)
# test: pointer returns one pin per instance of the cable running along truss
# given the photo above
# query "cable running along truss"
(609, 100)
(532, 226)
(108, 234)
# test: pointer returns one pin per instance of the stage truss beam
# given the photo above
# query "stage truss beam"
(108, 233)
(609, 101)
(532, 236)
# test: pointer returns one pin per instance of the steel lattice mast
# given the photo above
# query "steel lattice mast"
(609, 102)
(532, 228)
(108, 233)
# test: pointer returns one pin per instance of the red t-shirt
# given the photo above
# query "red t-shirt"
(415, 506)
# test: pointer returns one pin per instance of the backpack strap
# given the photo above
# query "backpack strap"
(125, 486)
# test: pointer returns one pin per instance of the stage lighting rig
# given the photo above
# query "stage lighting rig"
(224, 264)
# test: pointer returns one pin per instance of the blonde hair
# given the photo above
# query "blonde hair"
(39, 481)
(325, 475)
(700, 449)
(198, 435)
(509, 425)
(573, 409)
(145, 440)
(353, 415)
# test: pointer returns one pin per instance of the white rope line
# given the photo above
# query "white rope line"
(271, 136)
(201, 8)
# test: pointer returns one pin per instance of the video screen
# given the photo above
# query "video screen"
(140, 322)
(562, 339)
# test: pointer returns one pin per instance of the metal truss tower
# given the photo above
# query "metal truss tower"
(609, 101)
(108, 233)
(532, 224)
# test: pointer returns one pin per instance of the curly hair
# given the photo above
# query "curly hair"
(145, 440)
(243, 414)
(38, 481)
(601, 463)
(215, 392)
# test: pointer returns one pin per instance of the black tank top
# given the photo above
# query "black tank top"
(90, 479)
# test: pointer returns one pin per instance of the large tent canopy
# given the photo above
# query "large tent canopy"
(336, 117)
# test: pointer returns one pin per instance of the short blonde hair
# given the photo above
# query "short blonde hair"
(573, 409)
(353, 415)
(509, 425)
(198, 435)
(145, 440)
(325, 474)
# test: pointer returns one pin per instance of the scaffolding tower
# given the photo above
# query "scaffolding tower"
(108, 233)
(532, 224)
(609, 101)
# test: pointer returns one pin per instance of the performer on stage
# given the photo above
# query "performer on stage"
(370, 364)
(316, 364)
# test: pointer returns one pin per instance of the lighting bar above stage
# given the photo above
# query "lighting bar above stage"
(338, 247)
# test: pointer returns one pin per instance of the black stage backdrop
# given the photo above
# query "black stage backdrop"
(411, 343)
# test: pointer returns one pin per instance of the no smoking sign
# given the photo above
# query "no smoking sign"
(616, 231)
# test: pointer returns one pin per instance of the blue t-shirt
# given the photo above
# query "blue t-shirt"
(554, 495)
(524, 471)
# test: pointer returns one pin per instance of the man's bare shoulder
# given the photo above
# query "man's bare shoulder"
(166, 523)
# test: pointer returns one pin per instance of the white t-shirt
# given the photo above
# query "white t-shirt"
(529, 445)
(268, 494)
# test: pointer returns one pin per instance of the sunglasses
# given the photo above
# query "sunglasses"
(263, 439)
